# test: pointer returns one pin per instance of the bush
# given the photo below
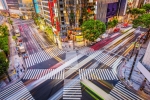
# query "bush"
(4, 39)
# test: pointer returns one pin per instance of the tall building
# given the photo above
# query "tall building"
(13, 6)
(26, 7)
(3, 5)
(67, 15)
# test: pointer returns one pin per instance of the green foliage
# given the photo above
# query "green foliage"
(92, 29)
(143, 21)
(136, 11)
(14, 37)
(146, 7)
(48, 30)
(3, 30)
(3, 63)
(4, 39)
(112, 23)
(10, 21)
(36, 18)
(115, 22)
(85, 14)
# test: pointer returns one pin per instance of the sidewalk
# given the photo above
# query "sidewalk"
(16, 68)
(136, 78)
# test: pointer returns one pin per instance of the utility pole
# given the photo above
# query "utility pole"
(137, 51)
(133, 49)
(133, 64)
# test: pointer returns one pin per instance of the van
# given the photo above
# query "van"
(18, 34)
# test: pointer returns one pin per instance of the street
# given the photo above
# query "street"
(52, 75)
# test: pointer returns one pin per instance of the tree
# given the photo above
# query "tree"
(136, 12)
(143, 21)
(48, 30)
(36, 18)
(112, 24)
(4, 39)
(4, 65)
(146, 7)
(10, 21)
(3, 30)
(92, 29)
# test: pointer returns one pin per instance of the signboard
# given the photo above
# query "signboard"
(79, 38)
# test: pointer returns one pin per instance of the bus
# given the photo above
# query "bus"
(95, 91)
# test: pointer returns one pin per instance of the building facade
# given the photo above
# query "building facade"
(69, 14)
(26, 8)
(3, 5)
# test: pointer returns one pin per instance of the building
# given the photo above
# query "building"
(70, 14)
(146, 58)
(66, 16)
(3, 5)
(13, 7)
(26, 8)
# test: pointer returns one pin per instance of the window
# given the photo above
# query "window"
(45, 8)
(61, 6)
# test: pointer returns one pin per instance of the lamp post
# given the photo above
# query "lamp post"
(137, 51)
(133, 63)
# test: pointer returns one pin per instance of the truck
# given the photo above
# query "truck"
(21, 49)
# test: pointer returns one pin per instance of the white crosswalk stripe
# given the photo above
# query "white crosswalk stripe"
(39, 73)
(16, 92)
(106, 59)
(97, 74)
(37, 58)
(86, 51)
(121, 93)
(55, 51)
(72, 91)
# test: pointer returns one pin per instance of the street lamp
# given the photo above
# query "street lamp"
(138, 48)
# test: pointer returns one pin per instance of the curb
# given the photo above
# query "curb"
(127, 86)
(14, 82)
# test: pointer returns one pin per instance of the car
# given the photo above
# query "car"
(125, 25)
(116, 30)
(25, 55)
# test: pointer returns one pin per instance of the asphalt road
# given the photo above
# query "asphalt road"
(43, 89)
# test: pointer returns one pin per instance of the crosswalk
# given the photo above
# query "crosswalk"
(37, 58)
(97, 74)
(41, 56)
(106, 58)
(44, 74)
(121, 93)
(72, 91)
(86, 51)
(16, 92)
(54, 51)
